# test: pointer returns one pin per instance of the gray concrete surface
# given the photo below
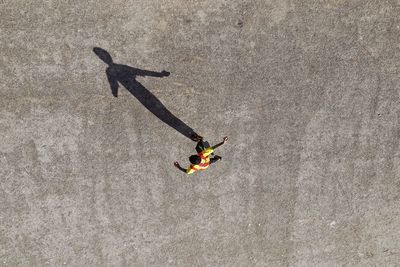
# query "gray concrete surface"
(306, 90)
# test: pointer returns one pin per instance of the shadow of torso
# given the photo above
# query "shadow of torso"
(126, 76)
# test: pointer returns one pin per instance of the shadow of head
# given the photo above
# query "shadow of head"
(103, 55)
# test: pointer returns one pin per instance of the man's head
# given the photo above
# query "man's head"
(194, 159)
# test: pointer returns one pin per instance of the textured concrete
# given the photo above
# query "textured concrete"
(307, 91)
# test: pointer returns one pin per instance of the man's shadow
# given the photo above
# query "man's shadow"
(126, 76)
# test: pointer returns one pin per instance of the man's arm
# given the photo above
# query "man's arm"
(179, 167)
(220, 144)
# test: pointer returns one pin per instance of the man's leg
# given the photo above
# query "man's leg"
(200, 146)
(195, 137)
(215, 159)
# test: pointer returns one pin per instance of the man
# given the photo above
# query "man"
(202, 160)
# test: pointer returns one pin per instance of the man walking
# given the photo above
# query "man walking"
(202, 160)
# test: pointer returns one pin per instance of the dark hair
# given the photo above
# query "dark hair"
(194, 159)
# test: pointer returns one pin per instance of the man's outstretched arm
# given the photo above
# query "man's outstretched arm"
(140, 72)
(225, 139)
(179, 167)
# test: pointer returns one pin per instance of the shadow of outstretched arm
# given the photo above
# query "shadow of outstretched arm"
(140, 72)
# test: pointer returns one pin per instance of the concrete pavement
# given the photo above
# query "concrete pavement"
(307, 91)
